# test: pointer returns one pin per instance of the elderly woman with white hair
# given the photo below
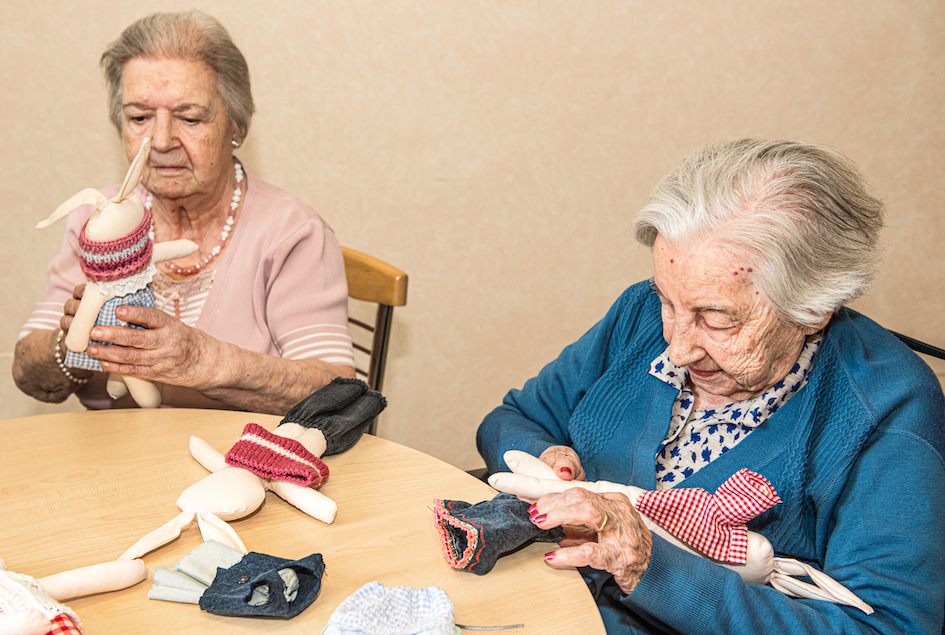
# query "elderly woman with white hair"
(256, 318)
(740, 353)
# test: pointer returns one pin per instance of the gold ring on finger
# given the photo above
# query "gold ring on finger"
(603, 524)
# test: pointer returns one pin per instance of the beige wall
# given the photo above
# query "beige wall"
(496, 151)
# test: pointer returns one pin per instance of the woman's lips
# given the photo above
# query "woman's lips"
(702, 374)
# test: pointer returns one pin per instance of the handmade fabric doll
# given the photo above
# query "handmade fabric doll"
(285, 461)
(117, 258)
(32, 607)
(698, 522)
(231, 492)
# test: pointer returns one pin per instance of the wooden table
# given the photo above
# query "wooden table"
(80, 488)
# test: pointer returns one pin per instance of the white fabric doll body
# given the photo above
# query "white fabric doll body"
(118, 257)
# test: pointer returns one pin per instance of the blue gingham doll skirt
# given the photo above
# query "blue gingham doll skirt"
(106, 317)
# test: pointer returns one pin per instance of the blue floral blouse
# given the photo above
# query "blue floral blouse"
(696, 437)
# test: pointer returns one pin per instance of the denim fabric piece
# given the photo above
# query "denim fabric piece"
(476, 536)
(342, 410)
(233, 589)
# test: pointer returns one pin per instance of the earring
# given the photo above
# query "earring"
(235, 143)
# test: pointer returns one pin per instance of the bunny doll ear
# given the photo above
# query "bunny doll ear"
(134, 171)
(85, 197)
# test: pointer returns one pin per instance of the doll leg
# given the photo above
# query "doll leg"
(97, 578)
(145, 393)
(77, 339)
(116, 386)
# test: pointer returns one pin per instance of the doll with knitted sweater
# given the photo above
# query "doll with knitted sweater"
(118, 258)
(286, 462)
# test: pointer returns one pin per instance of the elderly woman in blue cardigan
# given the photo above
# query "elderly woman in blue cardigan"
(739, 353)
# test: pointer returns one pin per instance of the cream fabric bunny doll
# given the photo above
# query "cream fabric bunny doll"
(230, 493)
(531, 478)
(118, 258)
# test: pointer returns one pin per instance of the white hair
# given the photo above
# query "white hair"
(799, 214)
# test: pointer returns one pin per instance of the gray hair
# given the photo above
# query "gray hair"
(800, 214)
(188, 35)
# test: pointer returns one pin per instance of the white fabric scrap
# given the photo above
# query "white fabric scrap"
(375, 609)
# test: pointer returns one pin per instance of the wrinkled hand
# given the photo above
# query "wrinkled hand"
(166, 351)
(565, 463)
(623, 547)
(70, 307)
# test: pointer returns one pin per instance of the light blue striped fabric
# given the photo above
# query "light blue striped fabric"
(375, 609)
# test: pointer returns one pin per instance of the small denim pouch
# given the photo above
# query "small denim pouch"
(261, 585)
(476, 536)
(226, 582)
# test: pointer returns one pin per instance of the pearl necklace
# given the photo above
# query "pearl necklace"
(224, 235)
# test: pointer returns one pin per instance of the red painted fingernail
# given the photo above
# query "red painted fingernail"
(532, 508)
(566, 470)
(550, 556)
(539, 519)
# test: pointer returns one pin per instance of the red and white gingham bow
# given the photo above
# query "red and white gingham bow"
(63, 624)
(712, 524)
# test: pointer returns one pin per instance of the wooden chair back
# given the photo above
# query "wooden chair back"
(373, 281)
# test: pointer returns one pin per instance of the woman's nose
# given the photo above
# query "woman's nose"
(684, 347)
(162, 133)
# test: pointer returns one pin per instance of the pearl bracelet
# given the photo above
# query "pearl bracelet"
(62, 365)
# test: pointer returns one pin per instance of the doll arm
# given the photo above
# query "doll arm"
(308, 500)
(206, 455)
(173, 249)
(77, 339)
(98, 578)
(88, 196)
(312, 439)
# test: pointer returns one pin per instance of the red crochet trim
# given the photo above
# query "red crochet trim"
(474, 545)
(107, 260)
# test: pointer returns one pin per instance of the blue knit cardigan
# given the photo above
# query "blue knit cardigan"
(856, 457)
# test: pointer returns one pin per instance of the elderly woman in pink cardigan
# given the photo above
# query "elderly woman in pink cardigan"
(256, 318)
